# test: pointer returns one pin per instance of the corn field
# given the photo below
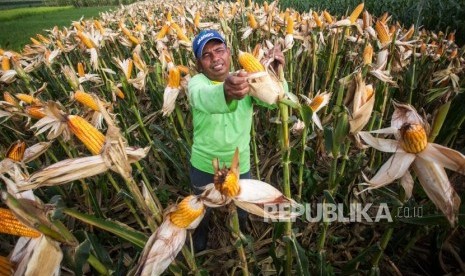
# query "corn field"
(96, 134)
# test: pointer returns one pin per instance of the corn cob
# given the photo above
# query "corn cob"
(226, 181)
(6, 267)
(221, 11)
(86, 99)
(7, 97)
(35, 41)
(169, 18)
(183, 69)
(99, 26)
(16, 151)
(367, 54)
(78, 26)
(85, 40)
(80, 69)
(316, 102)
(383, 32)
(317, 20)
(290, 25)
(9, 224)
(5, 63)
(43, 39)
(119, 93)
(250, 63)
(174, 77)
(327, 17)
(409, 33)
(252, 21)
(233, 10)
(86, 133)
(137, 60)
(413, 138)
(197, 19)
(179, 32)
(356, 13)
(27, 98)
(189, 209)
(164, 30)
(36, 112)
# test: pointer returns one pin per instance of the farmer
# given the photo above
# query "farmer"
(222, 118)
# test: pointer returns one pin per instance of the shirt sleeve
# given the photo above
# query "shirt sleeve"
(208, 97)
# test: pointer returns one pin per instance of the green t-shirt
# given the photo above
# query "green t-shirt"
(219, 127)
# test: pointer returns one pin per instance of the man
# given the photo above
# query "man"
(222, 118)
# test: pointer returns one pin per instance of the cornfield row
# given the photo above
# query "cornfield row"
(96, 135)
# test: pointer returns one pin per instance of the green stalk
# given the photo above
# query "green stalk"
(127, 201)
(139, 199)
(182, 125)
(314, 65)
(412, 80)
(300, 180)
(384, 242)
(285, 151)
(439, 121)
(237, 235)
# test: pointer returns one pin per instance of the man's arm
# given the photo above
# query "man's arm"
(217, 98)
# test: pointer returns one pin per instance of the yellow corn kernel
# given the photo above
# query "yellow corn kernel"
(368, 54)
(174, 77)
(9, 224)
(169, 17)
(7, 97)
(27, 98)
(317, 20)
(197, 19)
(6, 63)
(16, 151)
(85, 40)
(43, 39)
(221, 11)
(252, 21)
(183, 69)
(80, 69)
(164, 30)
(60, 45)
(409, 33)
(316, 102)
(119, 93)
(179, 32)
(35, 41)
(233, 10)
(356, 13)
(86, 99)
(86, 133)
(6, 267)
(188, 210)
(250, 63)
(137, 60)
(327, 17)
(383, 32)
(78, 26)
(290, 25)
(36, 112)
(99, 26)
(226, 182)
(384, 17)
(413, 138)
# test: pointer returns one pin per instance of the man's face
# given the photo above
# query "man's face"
(215, 60)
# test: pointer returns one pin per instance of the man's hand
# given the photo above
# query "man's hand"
(236, 86)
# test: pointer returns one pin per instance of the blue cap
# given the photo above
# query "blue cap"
(202, 38)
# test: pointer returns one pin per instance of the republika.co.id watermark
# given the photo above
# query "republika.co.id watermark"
(328, 212)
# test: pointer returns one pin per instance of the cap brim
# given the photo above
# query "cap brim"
(198, 54)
